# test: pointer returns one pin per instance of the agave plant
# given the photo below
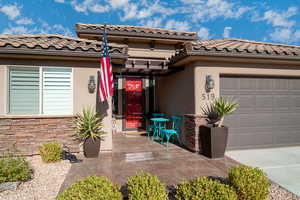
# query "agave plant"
(216, 111)
(88, 124)
(224, 107)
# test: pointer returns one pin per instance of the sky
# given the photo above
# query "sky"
(261, 20)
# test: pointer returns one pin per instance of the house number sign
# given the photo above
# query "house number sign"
(208, 96)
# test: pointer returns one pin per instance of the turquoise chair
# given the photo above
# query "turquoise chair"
(175, 129)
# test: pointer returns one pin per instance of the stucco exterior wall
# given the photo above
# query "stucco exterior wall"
(3, 88)
(83, 99)
(143, 50)
(81, 96)
(175, 93)
(240, 69)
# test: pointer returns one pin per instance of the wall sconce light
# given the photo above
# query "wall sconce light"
(92, 84)
(210, 83)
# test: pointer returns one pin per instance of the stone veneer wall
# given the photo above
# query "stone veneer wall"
(191, 137)
(29, 133)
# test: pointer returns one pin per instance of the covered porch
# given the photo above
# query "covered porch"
(137, 93)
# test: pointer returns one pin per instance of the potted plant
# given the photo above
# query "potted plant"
(214, 135)
(89, 128)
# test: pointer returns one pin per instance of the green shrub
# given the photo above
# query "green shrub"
(91, 188)
(145, 186)
(50, 152)
(204, 189)
(14, 169)
(249, 183)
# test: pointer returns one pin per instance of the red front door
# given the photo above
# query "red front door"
(134, 103)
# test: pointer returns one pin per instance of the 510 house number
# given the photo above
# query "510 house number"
(208, 96)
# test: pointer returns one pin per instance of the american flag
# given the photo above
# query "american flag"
(105, 74)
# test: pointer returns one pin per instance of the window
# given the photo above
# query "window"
(40, 90)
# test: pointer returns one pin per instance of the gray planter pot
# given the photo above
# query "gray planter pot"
(91, 147)
(214, 141)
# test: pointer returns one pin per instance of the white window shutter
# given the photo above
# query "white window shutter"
(57, 91)
(24, 90)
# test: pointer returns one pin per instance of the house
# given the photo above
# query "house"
(44, 82)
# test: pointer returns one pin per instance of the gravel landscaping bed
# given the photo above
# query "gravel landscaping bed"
(279, 193)
(46, 182)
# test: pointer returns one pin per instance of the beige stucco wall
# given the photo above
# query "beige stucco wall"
(143, 50)
(3, 88)
(175, 93)
(81, 97)
(240, 69)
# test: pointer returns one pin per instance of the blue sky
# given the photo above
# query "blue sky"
(269, 20)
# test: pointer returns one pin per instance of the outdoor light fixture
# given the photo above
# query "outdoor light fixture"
(92, 84)
(210, 83)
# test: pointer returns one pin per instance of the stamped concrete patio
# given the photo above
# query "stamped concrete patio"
(135, 153)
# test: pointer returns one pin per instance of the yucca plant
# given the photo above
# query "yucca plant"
(88, 125)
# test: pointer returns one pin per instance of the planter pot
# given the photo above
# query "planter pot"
(214, 141)
(91, 147)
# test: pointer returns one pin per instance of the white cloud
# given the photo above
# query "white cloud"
(118, 3)
(285, 35)
(190, 1)
(24, 21)
(177, 25)
(212, 9)
(279, 19)
(59, 1)
(11, 11)
(153, 23)
(153, 9)
(42, 28)
(16, 30)
(226, 32)
(89, 5)
(145, 9)
(130, 11)
(204, 34)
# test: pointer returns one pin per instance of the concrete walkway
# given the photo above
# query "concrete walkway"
(281, 164)
(135, 153)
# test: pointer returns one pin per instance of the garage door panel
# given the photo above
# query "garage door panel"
(247, 140)
(230, 84)
(281, 102)
(288, 137)
(268, 113)
(294, 102)
(294, 84)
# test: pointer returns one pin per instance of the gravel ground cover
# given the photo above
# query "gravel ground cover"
(279, 193)
(45, 184)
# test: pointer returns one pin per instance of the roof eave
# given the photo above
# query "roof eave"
(136, 34)
(179, 59)
(57, 54)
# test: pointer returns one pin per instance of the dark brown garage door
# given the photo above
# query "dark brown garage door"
(269, 111)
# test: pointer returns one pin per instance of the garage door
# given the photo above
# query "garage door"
(269, 111)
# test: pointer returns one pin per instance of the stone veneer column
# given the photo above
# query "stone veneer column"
(191, 137)
(29, 133)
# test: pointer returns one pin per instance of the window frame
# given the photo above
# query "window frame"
(41, 109)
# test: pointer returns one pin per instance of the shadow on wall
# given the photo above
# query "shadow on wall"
(101, 108)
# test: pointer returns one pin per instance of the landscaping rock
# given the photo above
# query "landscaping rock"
(45, 183)
(279, 193)
(9, 186)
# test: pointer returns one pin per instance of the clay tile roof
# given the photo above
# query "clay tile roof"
(139, 31)
(236, 47)
(43, 44)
